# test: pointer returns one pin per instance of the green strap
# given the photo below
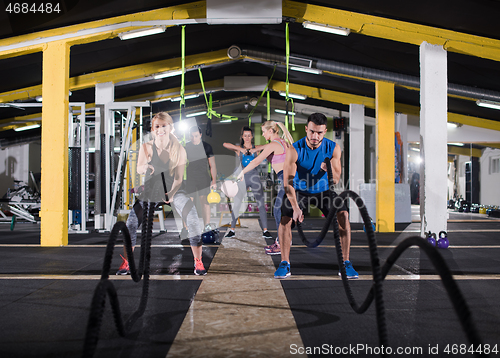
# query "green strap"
(287, 81)
(261, 95)
(210, 111)
(268, 105)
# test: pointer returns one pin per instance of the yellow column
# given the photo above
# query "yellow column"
(384, 98)
(54, 182)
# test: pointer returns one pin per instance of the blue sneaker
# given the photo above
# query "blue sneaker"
(283, 270)
(349, 270)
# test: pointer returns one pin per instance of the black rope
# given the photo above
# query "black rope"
(379, 273)
(105, 286)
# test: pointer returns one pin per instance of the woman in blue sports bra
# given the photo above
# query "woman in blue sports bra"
(275, 152)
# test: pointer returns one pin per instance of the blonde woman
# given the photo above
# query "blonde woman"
(275, 151)
(162, 160)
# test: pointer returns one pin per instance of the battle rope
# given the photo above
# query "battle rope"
(460, 305)
(105, 286)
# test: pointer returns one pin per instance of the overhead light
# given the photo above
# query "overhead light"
(225, 121)
(457, 144)
(284, 112)
(415, 149)
(488, 104)
(183, 126)
(160, 100)
(307, 70)
(189, 96)
(194, 114)
(326, 28)
(25, 128)
(142, 32)
(293, 95)
(167, 74)
(452, 125)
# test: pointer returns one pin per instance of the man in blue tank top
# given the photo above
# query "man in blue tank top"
(306, 183)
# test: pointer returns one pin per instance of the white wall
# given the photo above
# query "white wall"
(490, 182)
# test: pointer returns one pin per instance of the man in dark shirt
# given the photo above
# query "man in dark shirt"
(201, 170)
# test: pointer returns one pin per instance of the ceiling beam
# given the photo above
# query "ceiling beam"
(102, 29)
(122, 74)
(470, 152)
(395, 30)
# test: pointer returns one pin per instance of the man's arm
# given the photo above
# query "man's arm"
(336, 164)
(213, 172)
(289, 170)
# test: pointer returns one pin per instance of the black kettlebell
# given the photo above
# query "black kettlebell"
(431, 238)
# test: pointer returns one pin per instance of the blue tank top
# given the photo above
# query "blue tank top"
(309, 177)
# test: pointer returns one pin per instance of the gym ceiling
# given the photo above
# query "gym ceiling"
(383, 44)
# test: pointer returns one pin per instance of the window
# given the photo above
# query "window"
(494, 165)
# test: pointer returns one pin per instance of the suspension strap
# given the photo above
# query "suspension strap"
(287, 88)
(210, 111)
(268, 105)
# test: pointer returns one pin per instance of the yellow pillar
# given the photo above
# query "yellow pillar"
(384, 99)
(54, 181)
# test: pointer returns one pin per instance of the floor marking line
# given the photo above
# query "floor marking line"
(192, 277)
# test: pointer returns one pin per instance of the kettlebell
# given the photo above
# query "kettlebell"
(208, 237)
(431, 238)
(247, 158)
(443, 242)
(213, 197)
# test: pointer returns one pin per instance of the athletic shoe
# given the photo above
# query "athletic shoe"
(274, 249)
(230, 234)
(124, 268)
(269, 247)
(349, 270)
(207, 228)
(283, 270)
(199, 269)
(266, 235)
